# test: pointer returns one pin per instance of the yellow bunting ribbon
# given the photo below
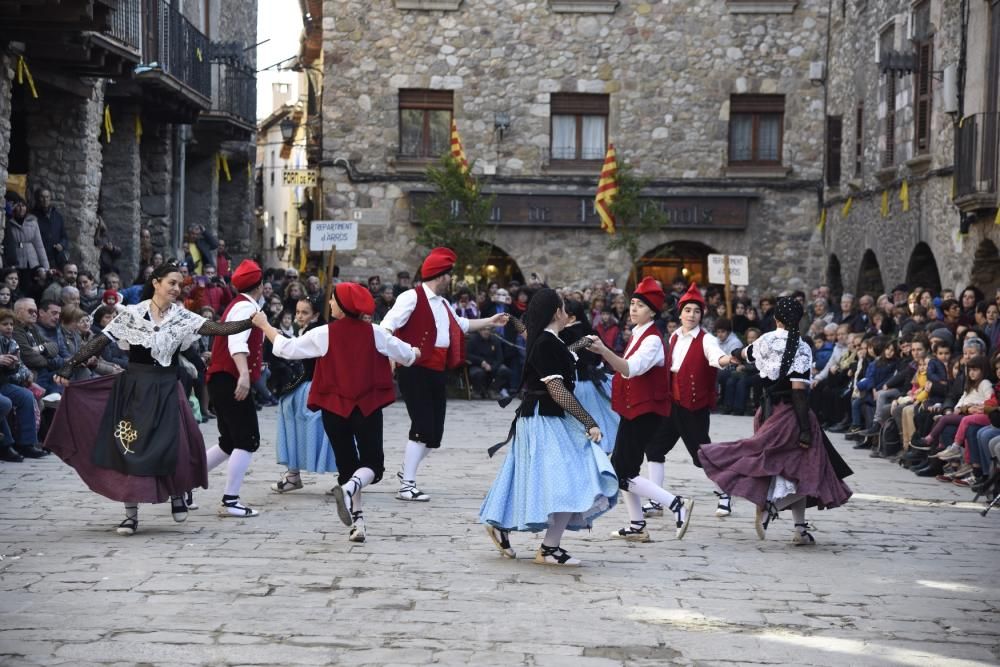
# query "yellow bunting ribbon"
(223, 164)
(109, 129)
(884, 209)
(197, 53)
(954, 187)
(138, 129)
(904, 195)
(22, 72)
(822, 220)
(249, 172)
(846, 209)
(996, 220)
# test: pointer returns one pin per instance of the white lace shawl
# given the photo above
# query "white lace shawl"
(768, 350)
(178, 330)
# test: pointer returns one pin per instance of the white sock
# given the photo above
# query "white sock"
(362, 477)
(789, 501)
(412, 456)
(634, 506)
(214, 457)
(239, 461)
(644, 488)
(655, 472)
(132, 511)
(799, 513)
(557, 526)
(356, 501)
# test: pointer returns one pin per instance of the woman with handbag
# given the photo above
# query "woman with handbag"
(301, 443)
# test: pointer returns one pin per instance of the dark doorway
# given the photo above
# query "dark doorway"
(687, 259)
(922, 270)
(497, 266)
(870, 276)
(834, 278)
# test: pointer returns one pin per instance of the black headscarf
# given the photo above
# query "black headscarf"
(789, 312)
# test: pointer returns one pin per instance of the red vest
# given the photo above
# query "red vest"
(222, 362)
(694, 385)
(421, 332)
(353, 373)
(649, 392)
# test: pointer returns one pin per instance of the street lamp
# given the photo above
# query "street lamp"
(287, 127)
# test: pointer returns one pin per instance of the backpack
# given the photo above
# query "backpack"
(890, 443)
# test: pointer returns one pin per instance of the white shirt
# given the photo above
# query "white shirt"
(316, 343)
(405, 304)
(244, 309)
(649, 354)
(680, 342)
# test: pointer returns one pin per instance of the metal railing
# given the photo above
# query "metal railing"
(180, 49)
(235, 91)
(977, 155)
(125, 23)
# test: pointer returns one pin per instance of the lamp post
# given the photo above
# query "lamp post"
(287, 127)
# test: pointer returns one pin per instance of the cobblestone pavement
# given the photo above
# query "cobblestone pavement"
(905, 574)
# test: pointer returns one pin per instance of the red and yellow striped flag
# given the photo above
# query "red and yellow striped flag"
(607, 189)
(457, 151)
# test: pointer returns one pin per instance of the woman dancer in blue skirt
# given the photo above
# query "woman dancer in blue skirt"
(593, 382)
(302, 443)
(556, 476)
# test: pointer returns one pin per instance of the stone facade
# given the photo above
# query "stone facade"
(235, 212)
(156, 184)
(933, 220)
(66, 158)
(6, 83)
(121, 189)
(668, 69)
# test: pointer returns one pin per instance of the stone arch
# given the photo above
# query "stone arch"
(922, 269)
(985, 272)
(496, 265)
(870, 275)
(834, 277)
(667, 261)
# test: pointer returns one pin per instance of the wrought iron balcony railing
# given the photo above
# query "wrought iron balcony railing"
(125, 23)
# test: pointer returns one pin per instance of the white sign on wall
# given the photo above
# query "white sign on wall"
(739, 269)
(329, 234)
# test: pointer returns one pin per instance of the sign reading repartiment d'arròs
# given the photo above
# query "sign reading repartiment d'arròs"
(715, 211)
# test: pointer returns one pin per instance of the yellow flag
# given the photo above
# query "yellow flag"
(223, 165)
(109, 129)
(607, 190)
(138, 129)
(996, 220)
(846, 209)
(22, 72)
(885, 204)
(303, 255)
(954, 187)
(822, 220)
(904, 195)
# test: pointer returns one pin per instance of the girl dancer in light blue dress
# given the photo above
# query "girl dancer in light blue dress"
(593, 382)
(555, 476)
(302, 443)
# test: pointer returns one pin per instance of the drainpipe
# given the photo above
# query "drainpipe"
(182, 135)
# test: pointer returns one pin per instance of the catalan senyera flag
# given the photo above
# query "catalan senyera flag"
(457, 151)
(607, 189)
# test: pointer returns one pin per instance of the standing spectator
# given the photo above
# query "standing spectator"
(382, 304)
(402, 283)
(39, 354)
(52, 228)
(108, 262)
(765, 322)
(314, 292)
(374, 285)
(14, 376)
(23, 247)
(145, 247)
(294, 292)
(200, 249)
(216, 293)
(223, 260)
(90, 295)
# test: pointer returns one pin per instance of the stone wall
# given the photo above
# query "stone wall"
(121, 191)
(6, 83)
(237, 21)
(66, 158)
(236, 208)
(669, 70)
(201, 199)
(156, 184)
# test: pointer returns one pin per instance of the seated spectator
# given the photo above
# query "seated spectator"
(216, 293)
(41, 355)
(374, 285)
(402, 283)
(741, 383)
(465, 306)
(5, 297)
(486, 367)
(882, 365)
(14, 378)
(111, 353)
(978, 389)
(70, 324)
(90, 294)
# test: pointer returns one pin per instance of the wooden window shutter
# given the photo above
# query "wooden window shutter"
(834, 142)
(419, 98)
(582, 104)
(757, 104)
(889, 156)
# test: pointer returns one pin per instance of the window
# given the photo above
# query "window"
(886, 44)
(859, 133)
(756, 129)
(834, 141)
(923, 43)
(425, 122)
(579, 126)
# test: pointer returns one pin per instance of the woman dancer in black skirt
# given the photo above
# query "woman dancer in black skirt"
(146, 448)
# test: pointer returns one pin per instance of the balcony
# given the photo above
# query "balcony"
(977, 162)
(233, 114)
(91, 38)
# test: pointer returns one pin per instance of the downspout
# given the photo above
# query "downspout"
(182, 136)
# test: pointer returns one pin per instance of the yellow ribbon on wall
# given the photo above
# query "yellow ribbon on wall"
(138, 129)
(223, 165)
(846, 210)
(197, 53)
(109, 129)
(904, 195)
(885, 204)
(22, 72)
(822, 220)
(996, 220)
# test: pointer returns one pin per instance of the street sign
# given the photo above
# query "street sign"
(333, 234)
(739, 269)
(306, 177)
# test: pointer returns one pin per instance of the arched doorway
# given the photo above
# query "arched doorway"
(986, 267)
(870, 276)
(922, 270)
(834, 278)
(688, 259)
(495, 265)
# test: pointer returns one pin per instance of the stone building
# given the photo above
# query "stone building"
(712, 101)
(913, 144)
(140, 110)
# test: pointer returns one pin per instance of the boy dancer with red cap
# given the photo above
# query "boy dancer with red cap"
(235, 366)
(423, 318)
(351, 384)
(640, 393)
(695, 357)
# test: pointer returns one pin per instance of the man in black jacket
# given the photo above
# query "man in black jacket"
(486, 365)
(53, 229)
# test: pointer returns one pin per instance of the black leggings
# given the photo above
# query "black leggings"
(356, 442)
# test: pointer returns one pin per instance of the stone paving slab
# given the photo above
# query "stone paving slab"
(905, 574)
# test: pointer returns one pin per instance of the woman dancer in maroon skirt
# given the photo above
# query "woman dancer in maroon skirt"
(788, 463)
(146, 447)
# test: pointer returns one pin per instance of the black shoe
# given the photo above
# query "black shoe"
(856, 436)
(864, 444)
(31, 451)
(8, 454)
(875, 454)
(872, 431)
(927, 471)
(839, 428)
